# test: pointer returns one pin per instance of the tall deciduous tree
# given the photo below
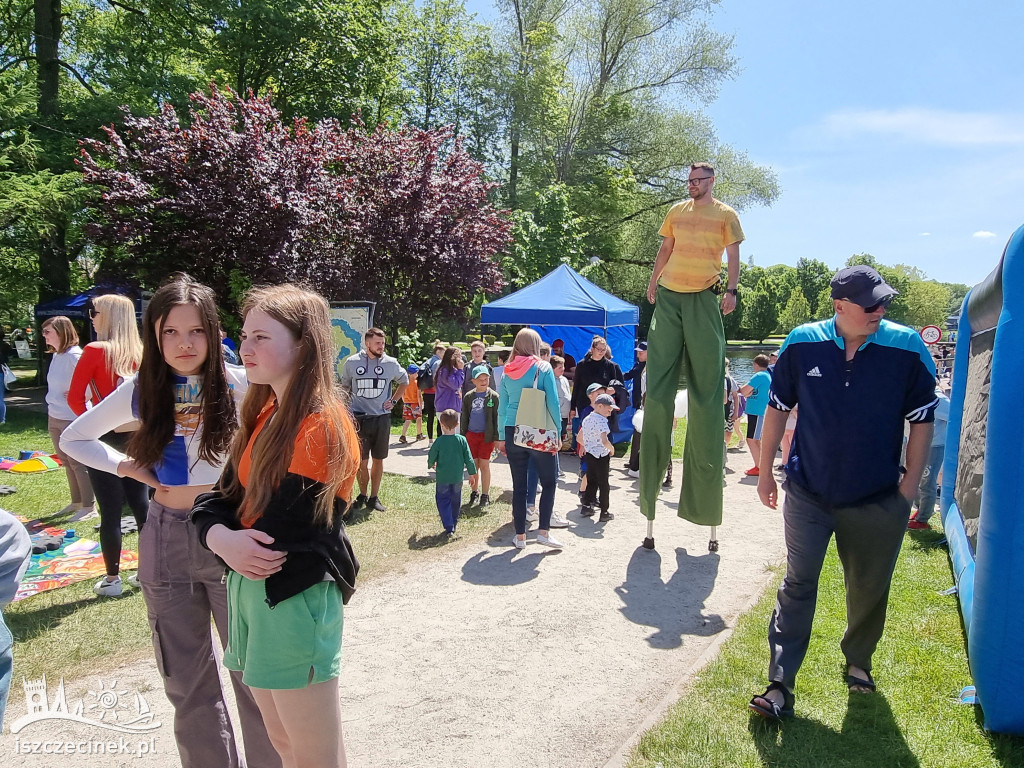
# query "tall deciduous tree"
(379, 215)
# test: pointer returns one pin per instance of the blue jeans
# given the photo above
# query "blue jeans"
(449, 499)
(519, 461)
(3, 402)
(927, 491)
(6, 665)
(532, 484)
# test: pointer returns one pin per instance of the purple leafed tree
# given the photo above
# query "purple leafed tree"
(383, 215)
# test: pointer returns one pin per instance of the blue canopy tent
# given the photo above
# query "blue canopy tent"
(565, 305)
(77, 307)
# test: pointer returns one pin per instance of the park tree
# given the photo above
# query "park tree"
(234, 192)
(812, 276)
(927, 302)
(797, 312)
(761, 315)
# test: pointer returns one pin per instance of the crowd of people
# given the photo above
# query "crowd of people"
(257, 467)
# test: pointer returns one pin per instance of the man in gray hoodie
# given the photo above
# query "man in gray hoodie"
(15, 552)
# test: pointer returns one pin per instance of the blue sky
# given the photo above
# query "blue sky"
(896, 128)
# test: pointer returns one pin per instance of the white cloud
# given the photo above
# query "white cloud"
(929, 126)
(983, 234)
(926, 234)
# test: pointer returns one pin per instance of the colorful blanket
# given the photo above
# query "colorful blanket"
(75, 560)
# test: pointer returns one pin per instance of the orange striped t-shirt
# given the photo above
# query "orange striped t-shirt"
(701, 233)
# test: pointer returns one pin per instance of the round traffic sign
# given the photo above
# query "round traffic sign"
(931, 334)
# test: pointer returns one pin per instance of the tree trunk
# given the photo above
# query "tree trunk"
(48, 30)
(54, 274)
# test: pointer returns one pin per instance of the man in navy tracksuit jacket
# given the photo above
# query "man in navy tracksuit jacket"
(857, 378)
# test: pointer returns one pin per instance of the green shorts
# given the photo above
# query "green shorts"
(289, 646)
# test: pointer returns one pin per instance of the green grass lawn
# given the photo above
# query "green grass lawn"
(72, 632)
(913, 720)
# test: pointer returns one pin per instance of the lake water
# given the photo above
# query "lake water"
(741, 364)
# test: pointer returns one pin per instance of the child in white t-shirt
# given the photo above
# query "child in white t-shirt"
(598, 451)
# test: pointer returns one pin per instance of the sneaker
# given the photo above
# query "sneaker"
(373, 504)
(419, 437)
(549, 541)
(359, 502)
(667, 483)
(519, 543)
(557, 521)
(587, 511)
(473, 497)
(752, 472)
(133, 581)
(531, 515)
(633, 472)
(606, 516)
(105, 588)
(560, 475)
(918, 525)
(485, 500)
(403, 439)
(85, 513)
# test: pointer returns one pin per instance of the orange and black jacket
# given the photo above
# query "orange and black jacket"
(313, 551)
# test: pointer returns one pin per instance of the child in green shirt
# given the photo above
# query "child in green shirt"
(449, 453)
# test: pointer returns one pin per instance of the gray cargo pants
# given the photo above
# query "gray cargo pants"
(868, 539)
(183, 584)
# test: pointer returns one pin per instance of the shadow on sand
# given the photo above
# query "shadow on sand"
(673, 607)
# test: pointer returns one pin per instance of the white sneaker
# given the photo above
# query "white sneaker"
(85, 513)
(549, 541)
(633, 472)
(105, 588)
(133, 581)
(557, 521)
(531, 515)
(518, 543)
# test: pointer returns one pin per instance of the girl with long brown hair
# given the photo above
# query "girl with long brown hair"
(104, 364)
(184, 400)
(277, 523)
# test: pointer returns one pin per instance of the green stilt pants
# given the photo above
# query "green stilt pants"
(686, 326)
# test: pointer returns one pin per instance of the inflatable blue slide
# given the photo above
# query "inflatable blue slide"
(982, 499)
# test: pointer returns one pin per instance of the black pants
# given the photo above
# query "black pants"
(597, 480)
(429, 412)
(111, 494)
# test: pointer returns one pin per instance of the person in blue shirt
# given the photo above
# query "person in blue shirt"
(756, 392)
(857, 378)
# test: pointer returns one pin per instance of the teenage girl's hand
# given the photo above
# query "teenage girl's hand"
(128, 468)
(500, 444)
(244, 551)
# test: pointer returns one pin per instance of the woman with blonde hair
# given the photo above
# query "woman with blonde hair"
(104, 364)
(276, 520)
(525, 369)
(60, 335)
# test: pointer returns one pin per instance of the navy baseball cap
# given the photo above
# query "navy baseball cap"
(606, 400)
(862, 285)
(641, 347)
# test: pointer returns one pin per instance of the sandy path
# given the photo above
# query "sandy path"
(492, 656)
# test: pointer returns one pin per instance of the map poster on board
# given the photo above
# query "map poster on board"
(350, 320)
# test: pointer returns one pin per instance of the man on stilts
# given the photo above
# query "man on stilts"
(685, 287)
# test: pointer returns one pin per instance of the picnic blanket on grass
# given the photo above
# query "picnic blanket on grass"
(75, 560)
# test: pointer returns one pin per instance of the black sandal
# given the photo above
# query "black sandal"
(773, 711)
(853, 680)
